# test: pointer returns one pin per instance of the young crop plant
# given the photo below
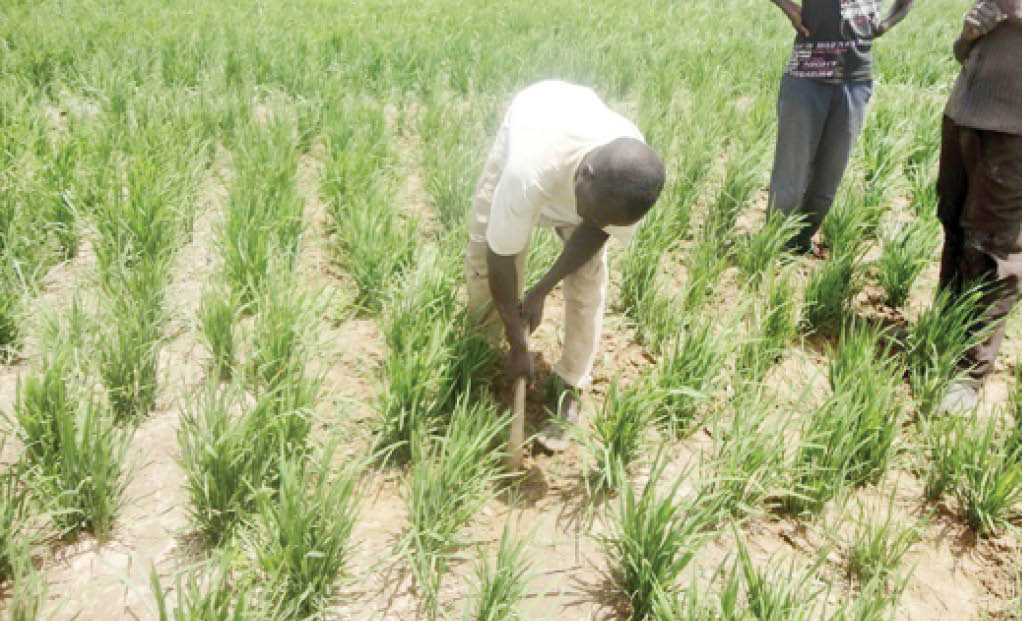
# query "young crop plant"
(652, 539)
(501, 586)
(749, 466)
(936, 344)
(741, 180)
(989, 481)
(615, 442)
(307, 534)
(687, 374)
(129, 356)
(452, 478)
(704, 265)
(849, 223)
(231, 453)
(829, 293)
(85, 479)
(758, 252)
(217, 317)
(436, 355)
(774, 326)
(877, 548)
(374, 245)
(15, 541)
(641, 297)
(279, 334)
(43, 401)
(780, 592)
(907, 249)
(847, 441)
(264, 223)
(206, 596)
(28, 589)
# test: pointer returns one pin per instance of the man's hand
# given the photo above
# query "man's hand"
(794, 13)
(532, 309)
(519, 363)
(981, 19)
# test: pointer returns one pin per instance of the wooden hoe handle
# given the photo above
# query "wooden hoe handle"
(516, 441)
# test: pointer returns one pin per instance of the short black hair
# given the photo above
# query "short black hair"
(629, 174)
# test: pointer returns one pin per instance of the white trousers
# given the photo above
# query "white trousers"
(585, 290)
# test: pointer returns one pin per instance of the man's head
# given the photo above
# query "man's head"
(617, 183)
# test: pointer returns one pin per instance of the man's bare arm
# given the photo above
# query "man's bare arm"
(584, 243)
(794, 13)
(503, 278)
(898, 12)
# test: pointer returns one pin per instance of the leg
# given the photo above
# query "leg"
(802, 106)
(952, 188)
(844, 122)
(585, 293)
(476, 271)
(992, 253)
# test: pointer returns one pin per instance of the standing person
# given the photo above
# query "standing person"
(822, 102)
(561, 159)
(980, 181)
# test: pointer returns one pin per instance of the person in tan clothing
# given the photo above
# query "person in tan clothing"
(562, 159)
(980, 182)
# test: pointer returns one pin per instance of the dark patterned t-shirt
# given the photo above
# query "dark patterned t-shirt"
(840, 45)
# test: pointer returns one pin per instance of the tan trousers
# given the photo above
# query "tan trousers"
(585, 290)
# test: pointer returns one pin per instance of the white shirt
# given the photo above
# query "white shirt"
(550, 127)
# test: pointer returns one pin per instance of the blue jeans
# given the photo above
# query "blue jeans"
(817, 125)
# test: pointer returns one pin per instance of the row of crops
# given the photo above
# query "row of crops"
(773, 392)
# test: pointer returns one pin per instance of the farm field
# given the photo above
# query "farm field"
(237, 381)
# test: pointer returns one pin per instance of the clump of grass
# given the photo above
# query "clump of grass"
(231, 453)
(849, 223)
(990, 483)
(264, 222)
(687, 373)
(780, 593)
(129, 356)
(500, 587)
(704, 265)
(749, 465)
(279, 342)
(758, 252)
(43, 400)
(452, 478)
(29, 589)
(14, 540)
(829, 292)
(85, 478)
(217, 316)
(307, 529)
(615, 441)
(906, 251)
(741, 179)
(937, 343)
(215, 597)
(652, 539)
(10, 333)
(877, 547)
(848, 439)
(374, 246)
(774, 322)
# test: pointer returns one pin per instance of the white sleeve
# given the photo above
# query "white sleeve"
(513, 214)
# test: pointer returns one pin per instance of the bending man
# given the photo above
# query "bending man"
(980, 181)
(561, 159)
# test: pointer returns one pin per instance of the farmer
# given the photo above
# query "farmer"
(562, 159)
(980, 181)
(822, 102)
